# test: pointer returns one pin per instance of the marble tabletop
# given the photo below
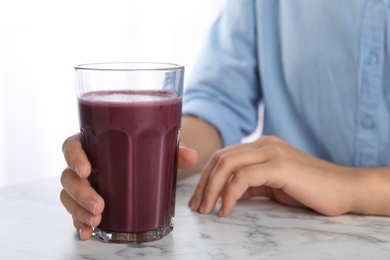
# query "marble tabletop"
(34, 225)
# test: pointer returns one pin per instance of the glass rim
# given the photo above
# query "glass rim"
(129, 66)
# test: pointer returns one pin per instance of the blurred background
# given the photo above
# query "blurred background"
(41, 42)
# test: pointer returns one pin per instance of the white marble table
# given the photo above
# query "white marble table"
(34, 225)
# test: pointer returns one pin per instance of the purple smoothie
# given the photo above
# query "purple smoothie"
(131, 139)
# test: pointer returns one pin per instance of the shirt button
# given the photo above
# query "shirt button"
(372, 58)
(368, 122)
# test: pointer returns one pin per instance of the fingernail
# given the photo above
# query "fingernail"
(81, 231)
(202, 208)
(185, 147)
(79, 169)
(193, 203)
(181, 145)
(88, 218)
(221, 212)
(91, 204)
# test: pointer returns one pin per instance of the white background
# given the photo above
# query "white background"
(40, 43)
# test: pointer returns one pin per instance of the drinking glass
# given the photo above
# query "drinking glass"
(130, 116)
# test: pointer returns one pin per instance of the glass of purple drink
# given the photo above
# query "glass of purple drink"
(130, 116)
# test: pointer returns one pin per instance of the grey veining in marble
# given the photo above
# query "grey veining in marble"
(34, 225)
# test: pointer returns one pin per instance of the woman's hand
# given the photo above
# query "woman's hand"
(79, 198)
(272, 168)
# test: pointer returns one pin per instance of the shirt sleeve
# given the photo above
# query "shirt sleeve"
(224, 89)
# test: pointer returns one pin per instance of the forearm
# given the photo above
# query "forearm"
(372, 191)
(200, 136)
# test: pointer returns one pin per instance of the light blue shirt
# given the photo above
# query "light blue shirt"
(320, 67)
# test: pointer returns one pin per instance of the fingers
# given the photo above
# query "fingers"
(85, 231)
(81, 201)
(187, 157)
(81, 192)
(240, 183)
(218, 172)
(197, 198)
(267, 167)
(196, 202)
(78, 197)
(75, 156)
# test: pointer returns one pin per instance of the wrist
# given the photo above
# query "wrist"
(371, 193)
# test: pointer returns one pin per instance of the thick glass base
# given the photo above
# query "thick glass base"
(132, 237)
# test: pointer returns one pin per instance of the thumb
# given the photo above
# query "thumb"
(187, 157)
